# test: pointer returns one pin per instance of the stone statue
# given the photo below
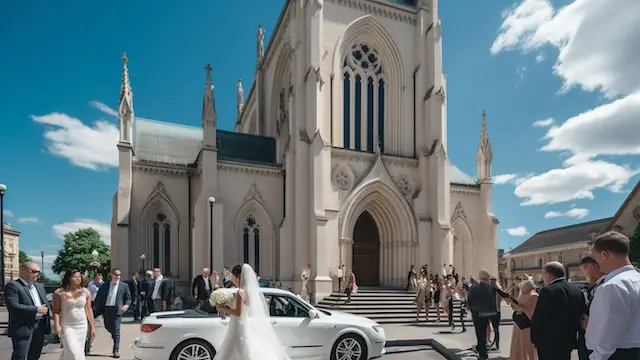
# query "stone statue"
(240, 93)
(283, 108)
(260, 42)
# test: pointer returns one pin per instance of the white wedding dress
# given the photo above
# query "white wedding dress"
(250, 336)
(73, 321)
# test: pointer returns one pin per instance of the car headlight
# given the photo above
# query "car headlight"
(378, 329)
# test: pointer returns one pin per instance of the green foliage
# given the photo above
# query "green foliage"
(23, 257)
(76, 253)
(634, 248)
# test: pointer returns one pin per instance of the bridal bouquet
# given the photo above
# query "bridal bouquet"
(221, 298)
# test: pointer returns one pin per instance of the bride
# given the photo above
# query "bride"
(72, 315)
(250, 335)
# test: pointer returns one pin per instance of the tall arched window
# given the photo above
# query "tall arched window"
(161, 244)
(363, 99)
(251, 243)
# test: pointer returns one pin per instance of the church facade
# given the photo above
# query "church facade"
(339, 156)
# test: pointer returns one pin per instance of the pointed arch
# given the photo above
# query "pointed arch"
(368, 30)
(281, 80)
(397, 229)
(160, 224)
(263, 246)
(463, 246)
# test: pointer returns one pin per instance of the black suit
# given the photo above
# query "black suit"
(556, 320)
(112, 315)
(134, 289)
(164, 294)
(26, 331)
(199, 288)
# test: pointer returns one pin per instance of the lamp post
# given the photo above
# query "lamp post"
(3, 188)
(142, 257)
(42, 261)
(211, 201)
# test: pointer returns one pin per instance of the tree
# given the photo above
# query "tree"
(23, 257)
(634, 247)
(76, 253)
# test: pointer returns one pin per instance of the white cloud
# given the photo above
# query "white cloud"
(504, 179)
(48, 263)
(573, 182)
(543, 122)
(104, 108)
(7, 213)
(521, 70)
(90, 147)
(28, 220)
(60, 230)
(576, 213)
(540, 58)
(518, 231)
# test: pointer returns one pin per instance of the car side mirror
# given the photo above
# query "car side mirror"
(312, 314)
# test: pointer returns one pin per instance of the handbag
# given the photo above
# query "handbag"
(521, 320)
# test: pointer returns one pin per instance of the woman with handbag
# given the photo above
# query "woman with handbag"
(523, 306)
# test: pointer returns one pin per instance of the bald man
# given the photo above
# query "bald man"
(201, 287)
(556, 320)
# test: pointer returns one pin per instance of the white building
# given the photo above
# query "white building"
(339, 156)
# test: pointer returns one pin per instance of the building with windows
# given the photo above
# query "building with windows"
(569, 244)
(11, 252)
(339, 156)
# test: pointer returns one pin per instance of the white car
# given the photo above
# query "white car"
(305, 332)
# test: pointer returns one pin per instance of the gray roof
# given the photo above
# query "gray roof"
(177, 144)
(567, 235)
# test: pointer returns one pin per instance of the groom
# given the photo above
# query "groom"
(112, 301)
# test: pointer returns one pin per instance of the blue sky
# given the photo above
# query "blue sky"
(521, 61)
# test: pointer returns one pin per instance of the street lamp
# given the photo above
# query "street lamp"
(142, 257)
(211, 201)
(3, 188)
(42, 263)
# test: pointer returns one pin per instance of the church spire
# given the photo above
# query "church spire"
(125, 107)
(240, 98)
(209, 112)
(259, 46)
(485, 154)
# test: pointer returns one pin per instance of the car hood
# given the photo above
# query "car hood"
(351, 318)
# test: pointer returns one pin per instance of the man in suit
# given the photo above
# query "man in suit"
(481, 300)
(135, 288)
(202, 286)
(556, 320)
(159, 295)
(226, 280)
(112, 301)
(29, 311)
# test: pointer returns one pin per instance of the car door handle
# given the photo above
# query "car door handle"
(273, 322)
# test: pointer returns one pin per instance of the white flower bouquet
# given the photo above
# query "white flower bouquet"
(221, 298)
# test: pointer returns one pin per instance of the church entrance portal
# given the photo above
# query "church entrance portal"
(366, 251)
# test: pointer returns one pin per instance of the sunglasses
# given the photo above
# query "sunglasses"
(35, 272)
(116, 274)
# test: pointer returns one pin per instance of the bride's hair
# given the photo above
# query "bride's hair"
(66, 280)
(236, 271)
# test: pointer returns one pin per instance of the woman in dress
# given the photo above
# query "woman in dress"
(72, 315)
(437, 294)
(250, 335)
(304, 277)
(521, 346)
(351, 287)
(422, 297)
(412, 278)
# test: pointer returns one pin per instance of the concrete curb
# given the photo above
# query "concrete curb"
(434, 344)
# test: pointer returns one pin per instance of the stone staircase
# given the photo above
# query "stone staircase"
(387, 306)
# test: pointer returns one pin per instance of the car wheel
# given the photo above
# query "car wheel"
(193, 349)
(349, 347)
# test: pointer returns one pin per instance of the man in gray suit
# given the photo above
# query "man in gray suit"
(29, 311)
(112, 301)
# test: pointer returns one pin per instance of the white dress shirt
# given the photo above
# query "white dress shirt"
(206, 283)
(33, 293)
(113, 291)
(614, 315)
(156, 288)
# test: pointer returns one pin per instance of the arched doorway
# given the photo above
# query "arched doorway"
(366, 251)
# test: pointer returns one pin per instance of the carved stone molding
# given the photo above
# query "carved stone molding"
(343, 178)
(161, 169)
(357, 156)
(405, 185)
(636, 213)
(465, 191)
(253, 194)
(458, 212)
(388, 10)
(248, 169)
